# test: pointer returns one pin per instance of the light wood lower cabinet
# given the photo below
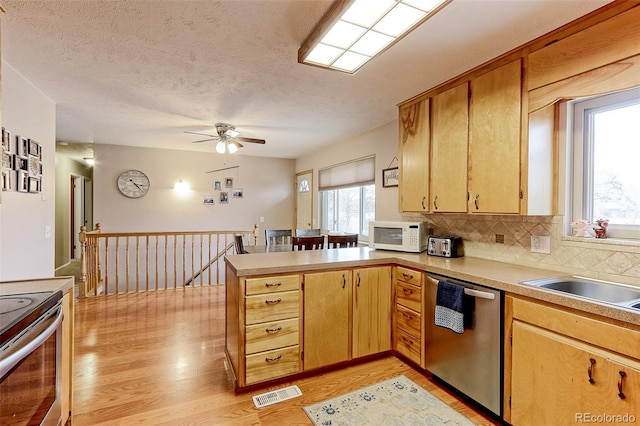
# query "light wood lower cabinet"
(327, 314)
(66, 374)
(269, 325)
(558, 378)
(408, 320)
(371, 311)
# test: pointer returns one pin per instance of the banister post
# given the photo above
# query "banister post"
(255, 234)
(82, 285)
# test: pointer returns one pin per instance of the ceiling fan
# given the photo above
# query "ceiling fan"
(229, 138)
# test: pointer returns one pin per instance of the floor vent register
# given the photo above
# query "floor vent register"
(276, 396)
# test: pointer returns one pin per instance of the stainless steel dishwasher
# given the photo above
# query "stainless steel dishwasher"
(470, 362)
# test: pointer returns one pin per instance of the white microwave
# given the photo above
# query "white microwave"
(399, 236)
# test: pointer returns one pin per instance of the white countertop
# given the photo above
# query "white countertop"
(36, 285)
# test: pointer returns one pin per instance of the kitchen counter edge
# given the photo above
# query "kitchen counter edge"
(494, 274)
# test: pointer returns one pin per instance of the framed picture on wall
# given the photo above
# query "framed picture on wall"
(7, 176)
(208, 200)
(390, 177)
(23, 181)
(34, 184)
(224, 198)
(6, 141)
(34, 148)
(23, 146)
(228, 183)
(237, 193)
(217, 185)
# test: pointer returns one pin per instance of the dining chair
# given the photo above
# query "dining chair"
(239, 244)
(342, 241)
(277, 236)
(308, 232)
(308, 243)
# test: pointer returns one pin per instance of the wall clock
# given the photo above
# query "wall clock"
(133, 183)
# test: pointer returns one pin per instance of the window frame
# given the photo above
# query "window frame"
(581, 182)
(363, 233)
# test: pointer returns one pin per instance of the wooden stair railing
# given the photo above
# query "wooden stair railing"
(114, 263)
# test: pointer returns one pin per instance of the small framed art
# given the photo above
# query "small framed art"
(390, 177)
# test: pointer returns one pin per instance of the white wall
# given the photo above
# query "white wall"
(268, 185)
(381, 141)
(26, 251)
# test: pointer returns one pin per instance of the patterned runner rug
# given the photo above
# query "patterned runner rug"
(397, 401)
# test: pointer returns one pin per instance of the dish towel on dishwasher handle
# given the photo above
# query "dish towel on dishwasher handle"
(450, 306)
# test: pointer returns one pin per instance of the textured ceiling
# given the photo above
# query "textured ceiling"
(140, 73)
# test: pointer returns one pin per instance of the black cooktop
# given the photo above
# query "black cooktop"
(17, 311)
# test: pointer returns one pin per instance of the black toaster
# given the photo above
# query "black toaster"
(445, 246)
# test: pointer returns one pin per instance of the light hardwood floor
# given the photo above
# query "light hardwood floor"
(157, 358)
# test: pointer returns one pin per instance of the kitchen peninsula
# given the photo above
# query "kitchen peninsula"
(279, 306)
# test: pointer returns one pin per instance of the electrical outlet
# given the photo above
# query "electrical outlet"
(541, 244)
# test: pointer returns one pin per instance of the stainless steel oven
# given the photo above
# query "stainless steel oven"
(30, 359)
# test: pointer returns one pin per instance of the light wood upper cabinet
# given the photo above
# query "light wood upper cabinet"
(327, 315)
(414, 154)
(494, 141)
(449, 145)
(371, 310)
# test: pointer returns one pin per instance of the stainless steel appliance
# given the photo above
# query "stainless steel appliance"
(470, 362)
(444, 246)
(399, 236)
(30, 358)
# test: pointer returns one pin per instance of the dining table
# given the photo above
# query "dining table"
(271, 248)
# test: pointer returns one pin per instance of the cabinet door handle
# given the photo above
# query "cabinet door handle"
(272, 359)
(476, 201)
(273, 330)
(273, 302)
(407, 316)
(344, 280)
(592, 363)
(272, 284)
(423, 206)
(358, 274)
(407, 290)
(435, 202)
(621, 394)
(407, 340)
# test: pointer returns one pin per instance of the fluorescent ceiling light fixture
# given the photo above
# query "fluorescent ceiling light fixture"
(353, 32)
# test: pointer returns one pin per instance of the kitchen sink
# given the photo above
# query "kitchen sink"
(602, 291)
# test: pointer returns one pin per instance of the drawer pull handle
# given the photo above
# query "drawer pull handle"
(275, 358)
(407, 316)
(407, 340)
(407, 276)
(407, 290)
(590, 370)
(273, 330)
(272, 284)
(273, 302)
(621, 394)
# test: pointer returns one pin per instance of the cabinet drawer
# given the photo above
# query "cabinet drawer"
(409, 296)
(408, 320)
(408, 345)
(409, 276)
(271, 335)
(272, 284)
(272, 307)
(273, 364)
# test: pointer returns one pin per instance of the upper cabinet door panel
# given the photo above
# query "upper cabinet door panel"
(414, 152)
(604, 43)
(494, 141)
(449, 145)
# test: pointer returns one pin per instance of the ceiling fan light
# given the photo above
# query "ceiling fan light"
(221, 147)
(232, 147)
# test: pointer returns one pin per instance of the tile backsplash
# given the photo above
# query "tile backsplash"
(609, 259)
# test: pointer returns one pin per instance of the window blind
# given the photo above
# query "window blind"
(358, 172)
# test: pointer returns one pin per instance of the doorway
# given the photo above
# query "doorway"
(304, 200)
